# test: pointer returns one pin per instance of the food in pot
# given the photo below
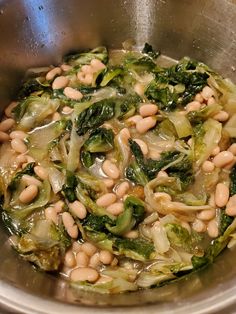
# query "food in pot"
(118, 169)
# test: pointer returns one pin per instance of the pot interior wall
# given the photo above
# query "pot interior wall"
(39, 32)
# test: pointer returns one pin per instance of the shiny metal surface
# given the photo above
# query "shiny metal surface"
(39, 32)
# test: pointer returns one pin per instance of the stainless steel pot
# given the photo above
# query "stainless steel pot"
(39, 32)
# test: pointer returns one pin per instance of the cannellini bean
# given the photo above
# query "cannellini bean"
(212, 229)
(86, 79)
(199, 226)
(4, 137)
(122, 189)
(110, 169)
(29, 158)
(154, 154)
(221, 194)
(50, 214)
(105, 257)
(207, 92)
(20, 159)
(145, 124)
(30, 180)
(215, 151)
(231, 206)
(139, 89)
(52, 73)
(58, 206)
(211, 101)
(88, 248)
(162, 174)
(142, 145)
(162, 195)
(193, 106)
(7, 124)
(95, 261)
(67, 110)
(56, 116)
(28, 194)
(18, 145)
(87, 69)
(78, 209)
(207, 214)
(67, 220)
(133, 234)
(232, 149)
(72, 93)
(223, 158)
(230, 165)
(115, 208)
(106, 199)
(76, 247)
(82, 259)
(148, 110)
(125, 134)
(104, 279)
(70, 259)
(73, 232)
(221, 116)
(134, 119)
(198, 97)
(60, 82)
(208, 166)
(10, 107)
(97, 65)
(41, 172)
(84, 274)
(109, 183)
(66, 67)
(18, 134)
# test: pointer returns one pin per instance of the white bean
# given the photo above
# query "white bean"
(97, 65)
(20, 159)
(56, 116)
(212, 229)
(88, 248)
(148, 110)
(72, 93)
(95, 261)
(4, 137)
(50, 214)
(104, 279)
(66, 67)
(109, 183)
(143, 146)
(10, 107)
(27, 179)
(106, 257)
(41, 172)
(73, 232)
(76, 247)
(60, 82)
(208, 166)
(67, 220)
(198, 97)
(125, 134)
(207, 92)
(122, 189)
(84, 274)
(231, 206)
(154, 154)
(18, 145)
(211, 101)
(58, 206)
(106, 199)
(70, 259)
(193, 106)
(221, 194)
(162, 174)
(145, 124)
(87, 69)
(207, 214)
(78, 209)
(7, 124)
(110, 169)
(28, 194)
(115, 209)
(134, 119)
(133, 234)
(82, 259)
(52, 73)
(18, 134)
(221, 116)
(223, 158)
(67, 110)
(199, 226)
(139, 89)
(232, 149)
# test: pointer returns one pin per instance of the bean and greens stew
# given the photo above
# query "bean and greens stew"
(118, 171)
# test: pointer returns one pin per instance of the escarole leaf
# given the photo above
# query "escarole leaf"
(100, 141)
(86, 57)
(33, 110)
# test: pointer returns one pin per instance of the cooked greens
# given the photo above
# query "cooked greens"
(111, 169)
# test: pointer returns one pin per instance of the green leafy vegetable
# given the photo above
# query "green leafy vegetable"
(100, 140)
